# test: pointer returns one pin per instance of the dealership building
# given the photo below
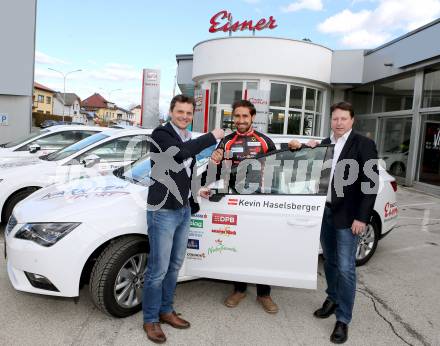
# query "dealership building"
(394, 88)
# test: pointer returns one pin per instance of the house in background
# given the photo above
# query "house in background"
(72, 107)
(124, 117)
(42, 99)
(104, 110)
(137, 112)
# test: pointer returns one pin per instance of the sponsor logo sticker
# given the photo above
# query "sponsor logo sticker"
(390, 210)
(219, 247)
(224, 231)
(193, 244)
(196, 223)
(195, 256)
(224, 219)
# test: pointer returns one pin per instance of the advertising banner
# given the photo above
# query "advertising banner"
(260, 99)
(150, 98)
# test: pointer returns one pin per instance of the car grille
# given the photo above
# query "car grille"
(11, 224)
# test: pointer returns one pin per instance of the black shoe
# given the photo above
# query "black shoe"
(328, 308)
(340, 333)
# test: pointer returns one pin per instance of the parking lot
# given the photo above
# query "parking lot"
(396, 304)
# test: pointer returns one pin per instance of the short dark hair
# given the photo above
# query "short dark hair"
(182, 99)
(345, 106)
(244, 103)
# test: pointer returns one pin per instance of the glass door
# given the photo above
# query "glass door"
(429, 167)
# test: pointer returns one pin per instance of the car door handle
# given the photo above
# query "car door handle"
(302, 222)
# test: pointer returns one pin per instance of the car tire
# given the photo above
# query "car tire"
(114, 288)
(367, 243)
(14, 200)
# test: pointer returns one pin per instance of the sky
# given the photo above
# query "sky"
(111, 41)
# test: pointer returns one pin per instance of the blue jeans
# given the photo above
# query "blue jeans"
(168, 235)
(339, 250)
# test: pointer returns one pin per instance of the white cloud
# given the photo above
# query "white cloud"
(371, 28)
(45, 59)
(313, 5)
(345, 21)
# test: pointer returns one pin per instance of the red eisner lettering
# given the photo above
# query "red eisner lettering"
(217, 19)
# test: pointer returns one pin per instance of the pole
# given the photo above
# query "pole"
(64, 84)
(64, 96)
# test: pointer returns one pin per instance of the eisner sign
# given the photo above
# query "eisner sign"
(222, 21)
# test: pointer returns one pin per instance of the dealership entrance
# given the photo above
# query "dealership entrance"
(429, 168)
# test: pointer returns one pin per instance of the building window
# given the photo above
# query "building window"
(395, 95)
(366, 127)
(394, 141)
(48, 100)
(230, 92)
(431, 89)
(294, 109)
(361, 98)
(40, 98)
(213, 99)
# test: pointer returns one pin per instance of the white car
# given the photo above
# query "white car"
(46, 141)
(97, 154)
(94, 231)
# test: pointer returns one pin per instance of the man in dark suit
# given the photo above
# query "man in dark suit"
(170, 205)
(350, 201)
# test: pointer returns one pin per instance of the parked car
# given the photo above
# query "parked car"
(48, 123)
(46, 141)
(97, 154)
(94, 230)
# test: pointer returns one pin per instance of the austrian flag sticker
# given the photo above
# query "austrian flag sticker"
(232, 201)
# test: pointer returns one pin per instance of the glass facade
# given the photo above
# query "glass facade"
(394, 95)
(431, 88)
(429, 168)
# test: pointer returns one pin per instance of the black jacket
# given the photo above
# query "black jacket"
(166, 137)
(355, 204)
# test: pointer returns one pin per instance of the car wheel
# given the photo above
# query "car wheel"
(367, 243)
(397, 169)
(117, 278)
(14, 200)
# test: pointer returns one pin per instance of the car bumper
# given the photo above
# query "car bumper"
(25, 259)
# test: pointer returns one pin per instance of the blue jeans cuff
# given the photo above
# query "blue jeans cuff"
(151, 320)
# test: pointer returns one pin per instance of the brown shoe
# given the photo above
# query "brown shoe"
(268, 304)
(174, 320)
(154, 332)
(234, 299)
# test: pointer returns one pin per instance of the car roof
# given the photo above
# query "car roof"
(57, 128)
(128, 132)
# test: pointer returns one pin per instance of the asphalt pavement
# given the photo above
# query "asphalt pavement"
(397, 302)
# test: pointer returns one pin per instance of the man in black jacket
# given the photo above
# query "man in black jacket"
(168, 213)
(350, 201)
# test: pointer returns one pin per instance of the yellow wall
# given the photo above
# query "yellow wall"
(42, 106)
(111, 114)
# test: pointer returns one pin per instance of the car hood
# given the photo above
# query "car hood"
(81, 200)
(24, 167)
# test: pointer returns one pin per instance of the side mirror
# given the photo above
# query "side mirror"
(90, 160)
(215, 195)
(33, 148)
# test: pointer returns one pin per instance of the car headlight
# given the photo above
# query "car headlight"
(46, 234)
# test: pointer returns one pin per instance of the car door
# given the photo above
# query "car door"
(56, 141)
(114, 153)
(266, 228)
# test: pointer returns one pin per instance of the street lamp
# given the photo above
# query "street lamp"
(64, 90)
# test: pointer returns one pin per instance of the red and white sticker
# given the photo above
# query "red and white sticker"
(224, 219)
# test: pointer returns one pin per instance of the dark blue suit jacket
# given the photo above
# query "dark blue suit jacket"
(165, 137)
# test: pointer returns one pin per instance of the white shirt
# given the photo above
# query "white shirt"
(339, 145)
(185, 136)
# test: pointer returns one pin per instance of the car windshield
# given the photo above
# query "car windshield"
(139, 171)
(25, 139)
(74, 148)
